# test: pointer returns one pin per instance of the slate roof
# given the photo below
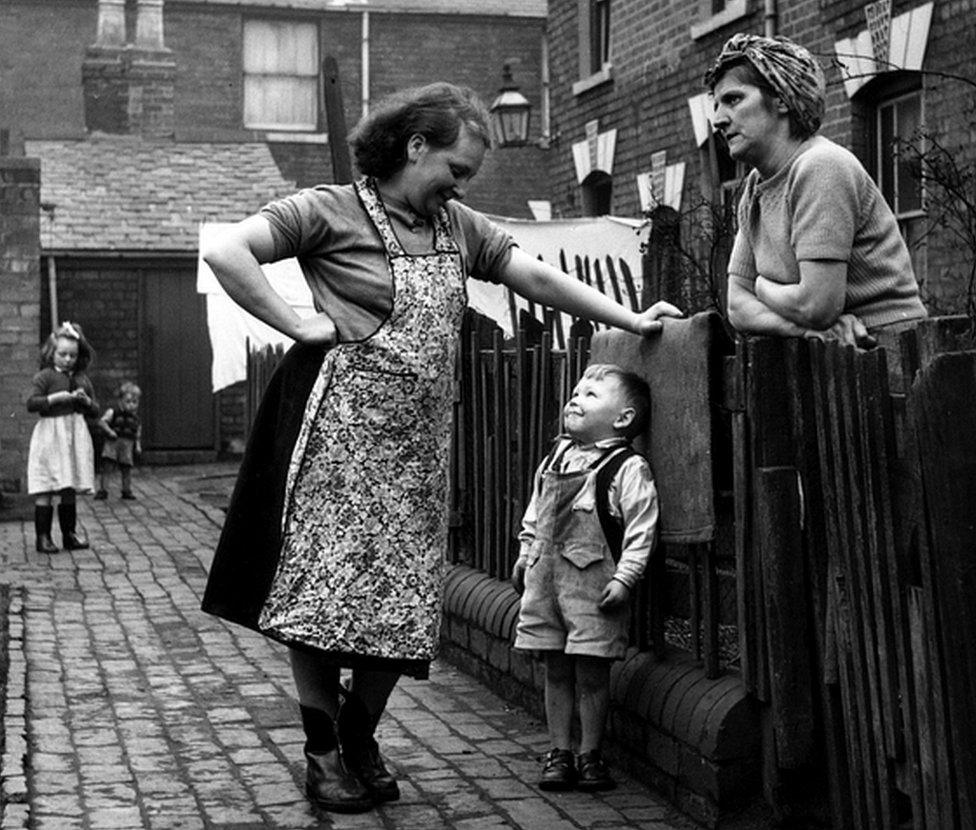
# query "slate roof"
(492, 8)
(124, 193)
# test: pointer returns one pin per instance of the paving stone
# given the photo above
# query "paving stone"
(133, 709)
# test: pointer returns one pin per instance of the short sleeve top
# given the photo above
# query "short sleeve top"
(823, 205)
(343, 258)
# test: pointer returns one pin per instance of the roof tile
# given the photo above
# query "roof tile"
(118, 193)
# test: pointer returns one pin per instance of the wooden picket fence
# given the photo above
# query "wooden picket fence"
(853, 549)
(836, 538)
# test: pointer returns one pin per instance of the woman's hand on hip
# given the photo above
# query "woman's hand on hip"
(317, 330)
(649, 320)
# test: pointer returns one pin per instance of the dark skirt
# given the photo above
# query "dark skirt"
(247, 554)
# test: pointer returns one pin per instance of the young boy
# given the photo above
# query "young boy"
(123, 444)
(575, 591)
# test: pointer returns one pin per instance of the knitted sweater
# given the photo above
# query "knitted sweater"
(823, 205)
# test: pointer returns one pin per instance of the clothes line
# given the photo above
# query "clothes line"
(231, 328)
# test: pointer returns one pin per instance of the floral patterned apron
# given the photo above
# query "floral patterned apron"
(365, 518)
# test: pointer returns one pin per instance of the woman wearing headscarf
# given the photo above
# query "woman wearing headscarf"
(335, 536)
(818, 251)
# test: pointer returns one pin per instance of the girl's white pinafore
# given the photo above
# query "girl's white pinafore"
(365, 518)
(61, 455)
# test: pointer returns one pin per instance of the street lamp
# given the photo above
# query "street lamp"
(510, 113)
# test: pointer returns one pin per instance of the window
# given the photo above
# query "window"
(714, 14)
(597, 192)
(594, 44)
(897, 126)
(731, 173)
(281, 75)
(599, 34)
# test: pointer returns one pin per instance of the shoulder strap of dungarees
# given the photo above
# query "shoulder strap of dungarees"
(613, 528)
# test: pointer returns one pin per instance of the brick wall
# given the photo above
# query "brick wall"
(105, 301)
(657, 66)
(19, 309)
(695, 740)
(46, 68)
(128, 91)
(205, 42)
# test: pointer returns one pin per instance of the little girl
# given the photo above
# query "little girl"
(122, 426)
(61, 457)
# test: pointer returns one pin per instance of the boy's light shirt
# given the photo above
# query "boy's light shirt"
(632, 496)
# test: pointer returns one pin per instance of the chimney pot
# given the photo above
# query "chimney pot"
(111, 23)
(149, 24)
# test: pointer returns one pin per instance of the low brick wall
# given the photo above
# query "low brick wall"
(694, 739)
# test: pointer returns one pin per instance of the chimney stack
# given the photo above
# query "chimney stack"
(128, 87)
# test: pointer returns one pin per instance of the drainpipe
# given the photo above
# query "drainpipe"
(770, 18)
(364, 60)
(52, 290)
(544, 111)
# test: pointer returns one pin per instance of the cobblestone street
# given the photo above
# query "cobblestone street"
(127, 707)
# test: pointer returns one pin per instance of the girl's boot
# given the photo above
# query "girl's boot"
(67, 518)
(43, 517)
(328, 781)
(354, 728)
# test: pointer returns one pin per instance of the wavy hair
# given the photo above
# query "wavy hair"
(436, 112)
(71, 331)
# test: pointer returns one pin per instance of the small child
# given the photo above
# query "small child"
(61, 458)
(575, 591)
(123, 443)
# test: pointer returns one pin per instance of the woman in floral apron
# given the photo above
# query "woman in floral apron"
(335, 536)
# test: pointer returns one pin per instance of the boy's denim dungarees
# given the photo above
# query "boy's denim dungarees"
(569, 566)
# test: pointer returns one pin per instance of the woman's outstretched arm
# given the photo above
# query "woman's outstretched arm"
(542, 283)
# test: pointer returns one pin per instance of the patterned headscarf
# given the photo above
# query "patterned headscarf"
(789, 69)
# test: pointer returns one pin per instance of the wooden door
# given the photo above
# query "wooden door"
(176, 358)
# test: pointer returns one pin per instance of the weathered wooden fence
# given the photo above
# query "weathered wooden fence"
(848, 558)
(508, 410)
(261, 364)
(852, 525)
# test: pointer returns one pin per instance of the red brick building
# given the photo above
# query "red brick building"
(149, 118)
(629, 118)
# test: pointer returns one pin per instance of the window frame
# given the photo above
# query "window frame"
(707, 19)
(303, 78)
(595, 44)
(911, 221)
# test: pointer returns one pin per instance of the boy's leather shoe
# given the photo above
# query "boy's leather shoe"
(330, 784)
(593, 773)
(101, 495)
(558, 771)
